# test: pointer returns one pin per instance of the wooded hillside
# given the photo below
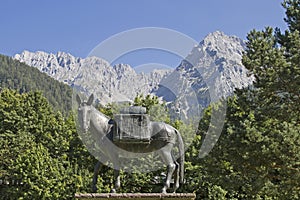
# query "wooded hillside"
(23, 78)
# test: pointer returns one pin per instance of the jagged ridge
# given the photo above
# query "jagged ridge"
(212, 70)
(94, 75)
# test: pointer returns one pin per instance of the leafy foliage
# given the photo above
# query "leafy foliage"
(38, 149)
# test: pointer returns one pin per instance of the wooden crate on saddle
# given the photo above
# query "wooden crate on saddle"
(132, 126)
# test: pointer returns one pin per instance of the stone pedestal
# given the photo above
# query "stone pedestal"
(141, 196)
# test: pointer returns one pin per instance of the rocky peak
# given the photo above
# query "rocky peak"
(212, 70)
(217, 46)
(222, 43)
(124, 70)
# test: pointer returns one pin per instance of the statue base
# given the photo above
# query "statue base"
(141, 196)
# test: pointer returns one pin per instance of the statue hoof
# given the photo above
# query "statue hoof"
(94, 189)
(164, 191)
(113, 191)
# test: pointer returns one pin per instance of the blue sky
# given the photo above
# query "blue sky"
(78, 26)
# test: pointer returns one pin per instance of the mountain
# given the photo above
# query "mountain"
(211, 71)
(218, 58)
(94, 75)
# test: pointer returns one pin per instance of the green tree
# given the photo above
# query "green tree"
(155, 108)
(259, 147)
(270, 131)
(40, 154)
(258, 153)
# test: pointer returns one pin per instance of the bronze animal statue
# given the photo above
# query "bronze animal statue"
(163, 140)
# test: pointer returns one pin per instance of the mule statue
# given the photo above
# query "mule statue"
(163, 139)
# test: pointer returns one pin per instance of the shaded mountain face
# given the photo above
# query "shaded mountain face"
(212, 70)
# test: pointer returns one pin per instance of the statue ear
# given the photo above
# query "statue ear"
(78, 99)
(90, 100)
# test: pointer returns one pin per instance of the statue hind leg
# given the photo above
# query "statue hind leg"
(171, 166)
(117, 183)
(176, 175)
(116, 166)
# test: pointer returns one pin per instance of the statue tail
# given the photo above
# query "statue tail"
(181, 158)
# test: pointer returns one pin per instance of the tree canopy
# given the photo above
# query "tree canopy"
(258, 153)
(41, 154)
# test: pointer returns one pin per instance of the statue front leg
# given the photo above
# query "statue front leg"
(95, 176)
(117, 183)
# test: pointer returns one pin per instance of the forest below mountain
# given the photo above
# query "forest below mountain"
(23, 78)
(257, 155)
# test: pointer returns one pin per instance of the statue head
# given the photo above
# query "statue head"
(84, 112)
